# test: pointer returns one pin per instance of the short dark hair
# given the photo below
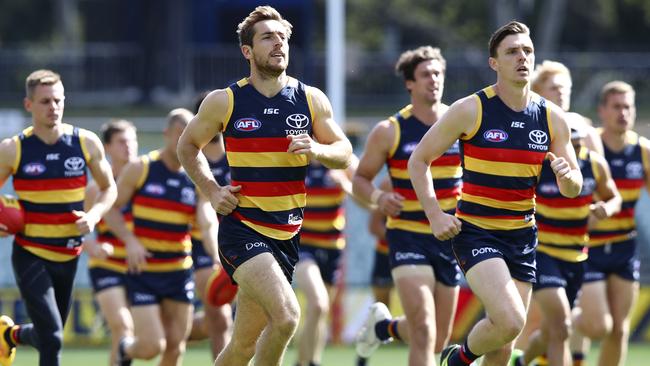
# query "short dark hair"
(409, 60)
(513, 27)
(114, 126)
(246, 29)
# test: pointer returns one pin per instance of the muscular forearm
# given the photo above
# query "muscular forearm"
(363, 188)
(197, 168)
(336, 155)
(423, 186)
(103, 202)
(570, 187)
(115, 222)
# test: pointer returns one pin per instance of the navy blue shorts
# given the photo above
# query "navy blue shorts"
(619, 259)
(381, 276)
(407, 248)
(102, 278)
(149, 288)
(516, 247)
(239, 243)
(327, 260)
(554, 272)
(200, 257)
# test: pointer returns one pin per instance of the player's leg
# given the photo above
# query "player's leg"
(149, 333)
(533, 322)
(213, 322)
(553, 336)
(594, 320)
(621, 295)
(46, 289)
(114, 309)
(446, 300)
(250, 320)
(505, 301)
(177, 321)
(314, 331)
(415, 284)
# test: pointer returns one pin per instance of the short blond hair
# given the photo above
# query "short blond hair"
(246, 31)
(615, 87)
(545, 71)
(40, 77)
(179, 115)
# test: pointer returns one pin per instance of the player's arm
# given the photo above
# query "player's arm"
(90, 244)
(609, 198)
(102, 174)
(377, 220)
(127, 183)
(562, 155)
(208, 223)
(7, 162)
(645, 157)
(206, 124)
(459, 120)
(593, 141)
(343, 177)
(378, 146)
(331, 147)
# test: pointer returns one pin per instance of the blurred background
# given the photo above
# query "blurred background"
(137, 59)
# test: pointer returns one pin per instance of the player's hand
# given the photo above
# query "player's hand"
(445, 226)
(599, 210)
(3, 231)
(86, 223)
(560, 167)
(98, 250)
(223, 199)
(303, 144)
(390, 203)
(136, 256)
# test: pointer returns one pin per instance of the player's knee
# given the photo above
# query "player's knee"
(597, 328)
(422, 333)
(243, 347)
(149, 349)
(510, 326)
(558, 329)
(51, 345)
(320, 307)
(175, 348)
(620, 330)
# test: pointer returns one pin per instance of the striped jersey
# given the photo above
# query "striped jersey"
(256, 130)
(562, 221)
(164, 204)
(445, 170)
(629, 170)
(50, 182)
(221, 174)
(116, 261)
(324, 214)
(502, 159)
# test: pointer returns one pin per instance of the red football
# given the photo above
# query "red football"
(11, 214)
(220, 290)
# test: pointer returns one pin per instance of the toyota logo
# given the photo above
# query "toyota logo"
(297, 120)
(538, 136)
(74, 163)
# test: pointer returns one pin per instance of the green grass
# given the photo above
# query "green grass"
(334, 356)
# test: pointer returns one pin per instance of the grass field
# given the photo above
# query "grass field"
(334, 356)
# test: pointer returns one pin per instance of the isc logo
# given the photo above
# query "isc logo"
(247, 124)
(495, 135)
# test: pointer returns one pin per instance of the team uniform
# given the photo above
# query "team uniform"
(562, 228)
(50, 181)
(409, 235)
(273, 194)
(164, 204)
(110, 271)
(201, 258)
(321, 236)
(612, 243)
(502, 159)
(381, 276)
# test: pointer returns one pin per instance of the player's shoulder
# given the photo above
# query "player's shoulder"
(8, 148)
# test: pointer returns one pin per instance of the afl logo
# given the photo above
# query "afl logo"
(74, 163)
(247, 124)
(495, 135)
(538, 136)
(34, 169)
(297, 120)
